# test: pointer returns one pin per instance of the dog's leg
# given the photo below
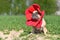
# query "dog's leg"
(44, 29)
(35, 30)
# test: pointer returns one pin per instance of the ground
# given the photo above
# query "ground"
(16, 35)
(15, 26)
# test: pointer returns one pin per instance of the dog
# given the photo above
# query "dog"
(43, 28)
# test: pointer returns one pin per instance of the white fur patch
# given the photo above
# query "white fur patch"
(35, 11)
(43, 23)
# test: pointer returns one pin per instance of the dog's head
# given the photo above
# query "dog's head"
(35, 15)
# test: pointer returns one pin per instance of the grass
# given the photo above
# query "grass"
(18, 22)
(53, 24)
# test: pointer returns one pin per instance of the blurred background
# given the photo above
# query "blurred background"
(17, 7)
(12, 15)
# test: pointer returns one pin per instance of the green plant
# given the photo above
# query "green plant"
(48, 5)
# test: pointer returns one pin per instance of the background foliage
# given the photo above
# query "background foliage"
(14, 7)
(48, 5)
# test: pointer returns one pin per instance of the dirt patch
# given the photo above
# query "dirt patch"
(15, 35)
(11, 35)
(40, 37)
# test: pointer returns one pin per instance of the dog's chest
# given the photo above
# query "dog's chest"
(43, 23)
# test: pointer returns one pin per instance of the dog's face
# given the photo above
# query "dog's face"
(35, 15)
